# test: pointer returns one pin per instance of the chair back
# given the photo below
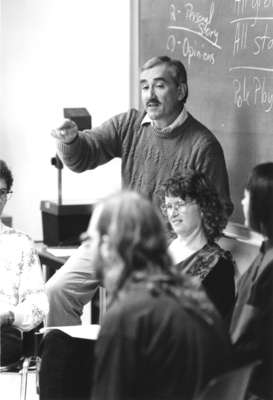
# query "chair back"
(232, 385)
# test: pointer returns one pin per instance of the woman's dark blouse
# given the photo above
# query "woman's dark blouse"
(215, 268)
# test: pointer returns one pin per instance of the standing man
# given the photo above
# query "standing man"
(154, 144)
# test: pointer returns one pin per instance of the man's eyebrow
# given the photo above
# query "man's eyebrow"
(160, 78)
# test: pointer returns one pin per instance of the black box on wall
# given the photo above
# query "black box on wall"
(7, 220)
(80, 116)
(63, 223)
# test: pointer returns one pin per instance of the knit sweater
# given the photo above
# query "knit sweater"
(149, 157)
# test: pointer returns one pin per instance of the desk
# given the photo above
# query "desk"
(51, 263)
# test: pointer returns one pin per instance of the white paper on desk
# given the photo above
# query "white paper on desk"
(61, 252)
(90, 332)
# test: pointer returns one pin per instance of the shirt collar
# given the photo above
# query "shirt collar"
(177, 122)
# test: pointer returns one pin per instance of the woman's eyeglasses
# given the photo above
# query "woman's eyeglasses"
(179, 206)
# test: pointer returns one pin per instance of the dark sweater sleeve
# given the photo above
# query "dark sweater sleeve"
(97, 146)
(220, 286)
(212, 163)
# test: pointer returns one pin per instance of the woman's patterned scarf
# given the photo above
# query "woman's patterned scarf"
(203, 261)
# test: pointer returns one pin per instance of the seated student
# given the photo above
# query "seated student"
(252, 320)
(23, 302)
(161, 338)
(196, 215)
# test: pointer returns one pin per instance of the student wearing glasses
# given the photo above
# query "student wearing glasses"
(23, 302)
(196, 216)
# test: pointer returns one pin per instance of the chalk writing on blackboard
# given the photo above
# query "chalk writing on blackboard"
(253, 37)
(189, 20)
(193, 32)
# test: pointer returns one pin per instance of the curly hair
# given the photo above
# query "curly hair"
(195, 186)
(5, 174)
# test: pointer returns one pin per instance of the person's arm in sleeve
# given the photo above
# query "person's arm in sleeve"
(261, 298)
(32, 305)
(88, 149)
(212, 163)
(252, 336)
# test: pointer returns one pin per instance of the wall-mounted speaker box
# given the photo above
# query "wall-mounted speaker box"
(80, 116)
(64, 223)
(7, 220)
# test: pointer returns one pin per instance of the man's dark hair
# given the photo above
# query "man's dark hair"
(177, 69)
(260, 187)
(5, 174)
(195, 186)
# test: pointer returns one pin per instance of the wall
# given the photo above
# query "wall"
(56, 54)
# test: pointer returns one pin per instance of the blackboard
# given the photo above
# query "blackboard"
(227, 49)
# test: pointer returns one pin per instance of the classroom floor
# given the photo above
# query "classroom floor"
(10, 386)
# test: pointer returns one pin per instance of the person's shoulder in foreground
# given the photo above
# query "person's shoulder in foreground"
(163, 341)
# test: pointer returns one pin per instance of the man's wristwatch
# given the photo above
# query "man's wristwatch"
(10, 318)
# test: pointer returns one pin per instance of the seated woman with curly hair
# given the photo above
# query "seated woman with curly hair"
(196, 215)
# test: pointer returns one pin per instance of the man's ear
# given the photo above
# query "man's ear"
(182, 88)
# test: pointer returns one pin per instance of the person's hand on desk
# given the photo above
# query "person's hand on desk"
(67, 132)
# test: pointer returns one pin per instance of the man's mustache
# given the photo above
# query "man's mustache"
(152, 102)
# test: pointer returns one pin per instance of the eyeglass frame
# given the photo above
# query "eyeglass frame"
(179, 206)
(5, 194)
